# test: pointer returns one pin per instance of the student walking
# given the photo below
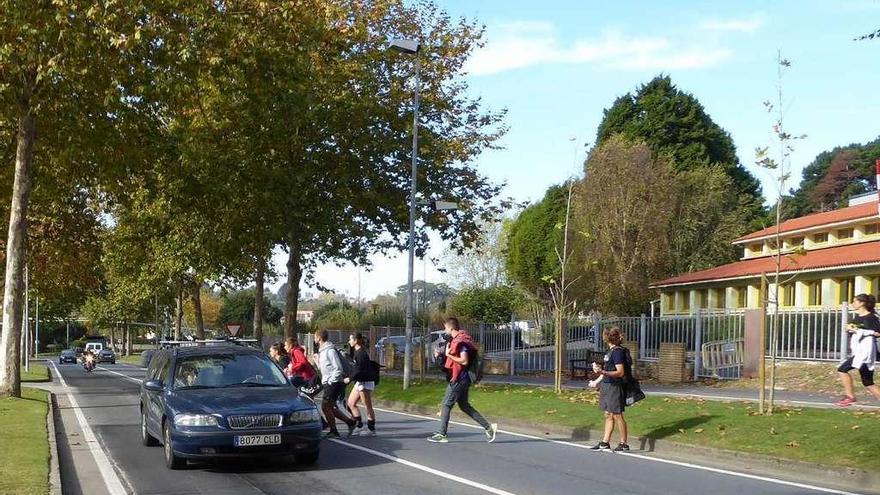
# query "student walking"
(612, 399)
(364, 378)
(299, 363)
(332, 377)
(865, 328)
(458, 359)
(279, 356)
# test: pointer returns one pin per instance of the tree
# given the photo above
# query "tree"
(487, 305)
(674, 123)
(532, 242)
(483, 265)
(427, 294)
(625, 225)
(781, 166)
(238, 307)
(60, 71)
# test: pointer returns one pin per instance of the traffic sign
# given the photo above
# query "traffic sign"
(233, 328)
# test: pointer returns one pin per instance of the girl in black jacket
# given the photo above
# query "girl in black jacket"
(364, 378)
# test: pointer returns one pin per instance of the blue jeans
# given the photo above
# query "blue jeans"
(458, 393)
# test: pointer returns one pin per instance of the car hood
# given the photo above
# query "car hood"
(239, 400)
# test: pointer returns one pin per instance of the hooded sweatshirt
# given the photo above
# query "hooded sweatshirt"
(461, 342)
(330, 362)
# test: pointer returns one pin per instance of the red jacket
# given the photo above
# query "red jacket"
(300, 365)
(460, 342)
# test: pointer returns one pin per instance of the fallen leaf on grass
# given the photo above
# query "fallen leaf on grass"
(793, 444)
(699, 430)
(682, 430)
(551, 411)
(856, 427)
(773, 431)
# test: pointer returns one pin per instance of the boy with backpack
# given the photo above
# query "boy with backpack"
(334, 369)
(461, 355)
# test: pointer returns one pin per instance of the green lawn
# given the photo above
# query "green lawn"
(38, 373)
(826, 436)
(24, 456)
(132, 359)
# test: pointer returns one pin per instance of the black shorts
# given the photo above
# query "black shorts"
(866, 374)
(611, 398)
(333, 392)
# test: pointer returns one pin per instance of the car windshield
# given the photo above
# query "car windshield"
(227, 370)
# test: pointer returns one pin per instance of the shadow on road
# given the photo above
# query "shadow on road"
(649, 437)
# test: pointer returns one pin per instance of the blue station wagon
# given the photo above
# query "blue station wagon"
(216, 401)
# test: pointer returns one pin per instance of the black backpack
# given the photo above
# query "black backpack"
(631, 387)
(375, 369)
(475, 364)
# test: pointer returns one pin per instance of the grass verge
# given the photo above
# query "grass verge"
(132, 359)
(803, 434)
(38, 373)
(24, 457)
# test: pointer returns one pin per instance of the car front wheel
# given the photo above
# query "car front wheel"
(146, 438)
(171, 461)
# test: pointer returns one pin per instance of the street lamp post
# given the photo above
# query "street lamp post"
(411, 47)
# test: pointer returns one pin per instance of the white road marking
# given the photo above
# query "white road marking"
(136, 380)
(639, 456)
(421, 467)
(111, 479)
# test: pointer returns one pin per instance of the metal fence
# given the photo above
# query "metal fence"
(715, 340)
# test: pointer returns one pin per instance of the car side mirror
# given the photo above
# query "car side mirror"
(154, 385)
(298, 381)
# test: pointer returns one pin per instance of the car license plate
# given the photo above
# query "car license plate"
(253, 440)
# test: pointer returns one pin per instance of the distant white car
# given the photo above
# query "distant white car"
(94, 347)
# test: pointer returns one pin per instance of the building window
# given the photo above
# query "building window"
(846, 290)
(720, 298)
(669, 302)
(703, 299)
(844, 234)
(756, 248)
(820, 238)
(684, 298)
(814, 293)
(872, 228)
(786, 295)
(796, 243)
(874, 285)
(739, 297)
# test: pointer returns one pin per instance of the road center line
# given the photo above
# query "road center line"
(421, 467)
(136, 380)
(639, 456)
(111, 479)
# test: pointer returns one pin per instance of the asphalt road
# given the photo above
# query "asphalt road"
(398, 461)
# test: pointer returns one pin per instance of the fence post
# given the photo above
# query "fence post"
(698, 344)
(512, 346)
(844, 321)
(483, 334)
(597, 331)
(643, 335)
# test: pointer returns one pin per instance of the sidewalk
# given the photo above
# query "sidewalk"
(784, 397)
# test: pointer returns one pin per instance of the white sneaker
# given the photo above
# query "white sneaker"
(490, 433)
(366, 432)
(358, 431)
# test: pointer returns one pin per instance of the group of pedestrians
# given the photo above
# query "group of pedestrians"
(335, 371)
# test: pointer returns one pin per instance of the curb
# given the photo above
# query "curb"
(54, 466)
(843, 478)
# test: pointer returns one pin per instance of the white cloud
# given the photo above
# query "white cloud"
(524, 44)
(746, 25)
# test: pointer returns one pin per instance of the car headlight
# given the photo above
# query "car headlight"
(305, 416)
(194, 420)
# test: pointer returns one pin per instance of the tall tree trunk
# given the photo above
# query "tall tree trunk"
(128, 343)
(13, 293)
(197, 309)
(258, 300)
(294, 275)
(178, 315)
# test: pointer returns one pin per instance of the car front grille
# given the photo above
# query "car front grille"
(251, 421)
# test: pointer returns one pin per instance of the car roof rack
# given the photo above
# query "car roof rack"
(195, 342)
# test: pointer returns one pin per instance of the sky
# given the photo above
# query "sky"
(556, 65)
